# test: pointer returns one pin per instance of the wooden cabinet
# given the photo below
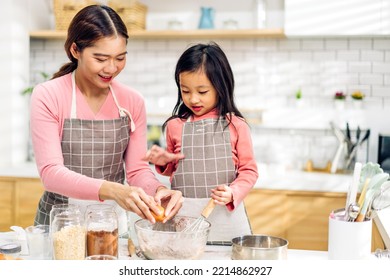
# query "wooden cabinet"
(301, 217)
(18, 201)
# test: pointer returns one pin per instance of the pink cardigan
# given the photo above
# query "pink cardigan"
(51, 104)
(242, 149)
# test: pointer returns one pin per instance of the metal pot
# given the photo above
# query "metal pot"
(259, 247)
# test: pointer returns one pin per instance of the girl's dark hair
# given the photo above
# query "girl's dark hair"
(88, 26)
(212, 60)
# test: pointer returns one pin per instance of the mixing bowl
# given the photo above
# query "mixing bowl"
(259, 247)
(166, 241)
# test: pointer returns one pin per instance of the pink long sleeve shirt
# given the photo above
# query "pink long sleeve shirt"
(242, 153)
(51, 105)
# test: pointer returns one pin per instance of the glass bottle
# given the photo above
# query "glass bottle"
(68, 236)
(102, 230)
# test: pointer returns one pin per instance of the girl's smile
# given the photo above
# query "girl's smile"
(197, 92)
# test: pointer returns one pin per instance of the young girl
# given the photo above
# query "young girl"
(209, 150)
(89, 131)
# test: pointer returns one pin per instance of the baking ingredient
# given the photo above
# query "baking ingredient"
(102, 242)
(159, 217)
(69, 243)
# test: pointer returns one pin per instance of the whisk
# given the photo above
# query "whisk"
(204, 215)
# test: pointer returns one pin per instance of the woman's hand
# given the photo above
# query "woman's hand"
(171, 200)
(160, 156)
(130, 198)
(222, 194)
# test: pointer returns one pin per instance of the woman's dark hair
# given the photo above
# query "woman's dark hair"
(212, 60)
(88, 26)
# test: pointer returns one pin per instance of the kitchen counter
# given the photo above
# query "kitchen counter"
(224, 253)
(272, 178)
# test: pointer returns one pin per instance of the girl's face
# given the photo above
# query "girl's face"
(99, 64)
(197, 92)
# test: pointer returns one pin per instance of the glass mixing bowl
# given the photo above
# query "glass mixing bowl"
(168, 242)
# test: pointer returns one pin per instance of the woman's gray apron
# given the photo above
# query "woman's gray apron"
(208, 163)
(94, 148)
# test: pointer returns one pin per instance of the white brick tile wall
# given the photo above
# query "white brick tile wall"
(339, 44)
(324, 56)
(381, 44)
(359, 67)
(359, 44)
(350, 55)
(372, 55)
(268, 72)
(383, 67)
(371, 79)
(311, 44)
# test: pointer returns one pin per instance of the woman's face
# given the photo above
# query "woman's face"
(99, 64)
(197, 92)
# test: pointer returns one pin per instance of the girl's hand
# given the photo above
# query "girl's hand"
(222, 194)
(171, 200)
(160, 156)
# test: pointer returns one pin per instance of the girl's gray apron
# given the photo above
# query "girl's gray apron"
(93, 148)
(208, 163)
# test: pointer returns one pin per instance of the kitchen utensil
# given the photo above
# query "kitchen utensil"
(382, 199)
(352, 212)
(373, 187)
(363, 192)
(171, 243)
(259, 247)
(348, 135)
(204, 215)
(368, 170)
(355, 148)
(130, 247)
(336, 158)
(353, 187)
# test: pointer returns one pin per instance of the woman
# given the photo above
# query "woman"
(89, 131)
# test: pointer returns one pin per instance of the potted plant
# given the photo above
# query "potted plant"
(357, 99)
(339, 98)
(298, 98)
(339, 95)
(29, 90)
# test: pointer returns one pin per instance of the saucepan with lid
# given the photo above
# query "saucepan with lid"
(259, 247)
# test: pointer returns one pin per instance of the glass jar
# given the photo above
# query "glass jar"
(59, 208)
(102, 230)
(68, 236)
(11, 250)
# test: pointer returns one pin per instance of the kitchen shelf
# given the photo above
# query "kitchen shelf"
(179, 34)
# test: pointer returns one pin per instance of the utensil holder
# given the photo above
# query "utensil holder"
(349, 240)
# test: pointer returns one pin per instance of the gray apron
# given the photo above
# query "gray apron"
(94, 148)
(208, 163)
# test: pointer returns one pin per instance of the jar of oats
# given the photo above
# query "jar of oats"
(68, 236)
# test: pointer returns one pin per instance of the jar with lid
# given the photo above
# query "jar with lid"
(10, 251)
(68, 236)
(102, 230)
(59, 208)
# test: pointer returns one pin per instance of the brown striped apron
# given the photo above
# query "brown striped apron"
(94, 148)
(208, 163)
